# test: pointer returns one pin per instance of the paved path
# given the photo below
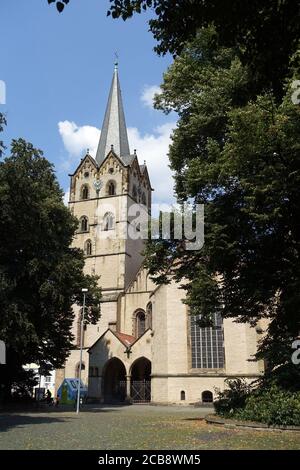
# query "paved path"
(130, 427)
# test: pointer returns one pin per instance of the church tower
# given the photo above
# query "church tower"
(102, 190)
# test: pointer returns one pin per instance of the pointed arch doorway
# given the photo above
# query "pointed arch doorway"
(114, 381)
(140, 389)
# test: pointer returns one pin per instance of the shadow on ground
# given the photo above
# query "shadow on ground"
(12, 418)
(8, 421)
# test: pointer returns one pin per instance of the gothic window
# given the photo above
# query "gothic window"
(111, 188)
(140, 323)
(84, 192)
(207, 397)
(88, 248)
(149, 315)
(134, 191)
(182, 395)
(144, 199)
(84, 224)
(108, 221)
(207, 344)
(77, 369)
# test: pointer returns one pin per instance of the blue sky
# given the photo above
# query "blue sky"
(58, 68)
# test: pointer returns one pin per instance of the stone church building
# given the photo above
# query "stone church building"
(145, 347)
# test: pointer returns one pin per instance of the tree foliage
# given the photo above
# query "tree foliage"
(239, 155)
(2, 124)
(41, 275)
(60, 5)
(265, 34)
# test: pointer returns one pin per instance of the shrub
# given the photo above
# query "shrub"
(271, 405)
(234, 397)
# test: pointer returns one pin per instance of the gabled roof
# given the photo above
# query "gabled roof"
(86, 157)
(125, 161)
(113, 131)
(128, 159)
(126, 340)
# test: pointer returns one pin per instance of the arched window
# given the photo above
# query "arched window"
(84, 191)
(84, 224)
(149, 315)
(134, 191)
(108, 221)
(88, 248)
(140, 323)
(182, 395)
(144, 199)
(207, 397)
(111, 188)
(77, 369)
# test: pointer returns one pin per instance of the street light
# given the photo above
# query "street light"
(84, 291)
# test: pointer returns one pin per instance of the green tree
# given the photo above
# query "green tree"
(265, 34)
(2, 124)
(41, 275)
(240, 157)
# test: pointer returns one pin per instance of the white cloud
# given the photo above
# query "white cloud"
(77, 139)
(66, 198)
(152, 147)
(148, 93)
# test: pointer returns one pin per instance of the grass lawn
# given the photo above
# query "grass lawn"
(131, 427)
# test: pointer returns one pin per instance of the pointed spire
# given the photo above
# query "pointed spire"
(114, 131)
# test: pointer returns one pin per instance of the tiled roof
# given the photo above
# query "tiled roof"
(126, 339)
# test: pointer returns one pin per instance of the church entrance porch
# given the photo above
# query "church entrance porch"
(114, 381)
(140, 387)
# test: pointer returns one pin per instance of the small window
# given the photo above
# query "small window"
(111, 170)
(144, 199)
(84, 224)
(149, 315)
(108, 221)
(182, 395)
(86, 174)
(207, 397)
(111, 188)
(96, 372)
(88, 248)
(140, 323)
(85, 192)
(134, 191)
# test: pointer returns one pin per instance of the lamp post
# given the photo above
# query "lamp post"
(84, 291)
